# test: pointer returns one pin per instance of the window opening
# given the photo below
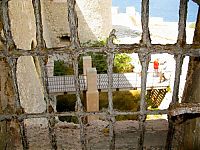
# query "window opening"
(144, 50)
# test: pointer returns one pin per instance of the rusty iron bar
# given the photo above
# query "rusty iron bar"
(146, 40)
(73, 24)
(174, 110)
(181, 41)
(179, 61)
(40, 46)
(141, 49)
(144, 60)
(10, 46)
(110, 59)
(187, 50)
(75, 43)
(38, 20)
(184, 108)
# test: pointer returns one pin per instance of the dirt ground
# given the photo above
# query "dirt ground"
(97, 135)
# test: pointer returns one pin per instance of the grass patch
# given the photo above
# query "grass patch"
(122, 101)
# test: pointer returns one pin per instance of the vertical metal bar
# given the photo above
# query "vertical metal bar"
(6, 25)
(38, 20)
(10, 45)
(41, 61)
(75, 43)
(144, 60)
(110, 58)
(181, 41)
(73, 23)
(146, 40)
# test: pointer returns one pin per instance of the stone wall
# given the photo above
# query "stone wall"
(23, 30)
(94, 20)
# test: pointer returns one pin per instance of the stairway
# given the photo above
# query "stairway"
(155, 96)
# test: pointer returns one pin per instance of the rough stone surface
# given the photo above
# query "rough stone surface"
(9, 129)
(97, 135)
(30, 88)
(94, 20)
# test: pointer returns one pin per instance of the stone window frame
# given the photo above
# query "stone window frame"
(144, 50)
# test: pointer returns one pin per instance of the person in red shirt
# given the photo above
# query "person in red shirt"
(156, 66)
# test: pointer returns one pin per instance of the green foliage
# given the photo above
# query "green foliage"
(98, 61)
(122, 63)
(60, 68)
(192, 25)
(122, 101)
(97, 43)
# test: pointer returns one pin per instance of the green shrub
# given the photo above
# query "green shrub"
(122, 63)
(61, 68)
(98, 61)
(97, 43)
(192, 25)
(122, 101)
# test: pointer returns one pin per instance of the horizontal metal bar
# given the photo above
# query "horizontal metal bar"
(177, 109)
(184, 108)
(59, 114)
(187, 50)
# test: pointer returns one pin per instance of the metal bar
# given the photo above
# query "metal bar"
(181, 41)
(38, 21)
(174, 110)
(75, 43)
(110, 59)
(40, 45)
(6, 26)
(187, 50)
(184, 108)
(179, 62)
(73, 23)
(10, 46)
(144, 60)
(145, 23)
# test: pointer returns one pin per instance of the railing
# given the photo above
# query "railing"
(58, 84)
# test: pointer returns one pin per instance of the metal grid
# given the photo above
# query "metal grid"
(144, 50)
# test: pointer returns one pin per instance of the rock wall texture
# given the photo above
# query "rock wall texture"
(23, 30)
(9, 129)
(97, 135)
(94, 20)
